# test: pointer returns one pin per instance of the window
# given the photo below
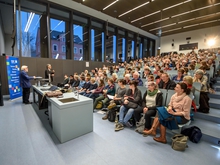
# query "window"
(80, 50)
(75, 50)
(78, 41)
(63, 39)
(55, 47)
(57, 33)
(64, 49)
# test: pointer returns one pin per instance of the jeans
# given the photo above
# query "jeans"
(82, 92)
(128, 115)
(86, 94)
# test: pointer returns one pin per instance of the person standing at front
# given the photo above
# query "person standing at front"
(25, 84)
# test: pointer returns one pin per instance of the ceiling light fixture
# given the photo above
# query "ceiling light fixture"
(176, 5)
(155, 22)
(191, 25)
(195, 10)
(134, 9)
(145, 16)
(30, 18)
(211, 42)
(186, 20)
(196, 18)
(180, 14)
(110, 5)
(208, 22)
(202, 23)
(170, 30)
(163, 26)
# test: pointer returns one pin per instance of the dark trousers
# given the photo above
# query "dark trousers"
(148, 115)
(25, 95)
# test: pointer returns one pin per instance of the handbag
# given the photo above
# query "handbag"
(168, 120)
(54, 94)
(179, 142)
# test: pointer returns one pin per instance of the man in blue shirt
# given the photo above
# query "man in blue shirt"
(25, 84)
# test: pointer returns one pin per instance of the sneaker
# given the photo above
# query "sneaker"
(105, 117)
(128, 124)
(119, 127)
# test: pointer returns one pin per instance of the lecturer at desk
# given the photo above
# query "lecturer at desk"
(48, 72)
(25, 84)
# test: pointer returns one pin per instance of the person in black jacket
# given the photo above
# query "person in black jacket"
(151, 100)
(131, 100)
(76, 81)
(166, 83)
(49, 72)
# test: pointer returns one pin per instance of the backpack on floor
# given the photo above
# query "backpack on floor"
(140, 125)
(194, 133)
(112, 114)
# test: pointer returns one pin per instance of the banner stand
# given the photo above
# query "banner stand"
(13, 73)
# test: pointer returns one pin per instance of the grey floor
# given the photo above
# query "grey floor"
(27, 139)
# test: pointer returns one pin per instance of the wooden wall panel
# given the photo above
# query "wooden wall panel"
(57, 65)
(37, 67)
(32, 65)
(68, 67)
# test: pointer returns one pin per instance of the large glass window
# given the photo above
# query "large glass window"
(111, 41)
(145, 50)
(131, 48)
(30, 35)
(97, 45)
(121, 49)
(121, 45)
(78, 42)
(139, 49)
(57, 38)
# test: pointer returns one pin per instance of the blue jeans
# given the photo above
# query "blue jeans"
(128, 115)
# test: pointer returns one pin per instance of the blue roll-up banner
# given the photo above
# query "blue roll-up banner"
(13, 72)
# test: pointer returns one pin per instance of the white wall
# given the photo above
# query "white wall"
(197, 36)
(2, 37)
